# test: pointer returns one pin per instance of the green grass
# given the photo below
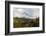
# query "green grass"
(23, 22)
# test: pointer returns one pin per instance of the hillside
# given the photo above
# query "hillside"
(25, 22)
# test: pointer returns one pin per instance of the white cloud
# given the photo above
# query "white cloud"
(26, 12)
(17, 12)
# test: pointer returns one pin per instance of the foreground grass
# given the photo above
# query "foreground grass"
(23, 22)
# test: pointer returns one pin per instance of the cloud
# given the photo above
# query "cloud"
(25, 12)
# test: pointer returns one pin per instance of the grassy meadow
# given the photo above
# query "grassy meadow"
(25, 22)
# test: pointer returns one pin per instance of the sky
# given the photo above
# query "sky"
(26, 12)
